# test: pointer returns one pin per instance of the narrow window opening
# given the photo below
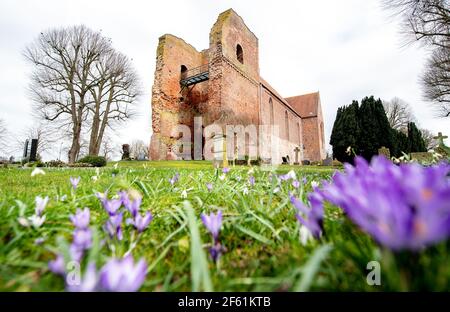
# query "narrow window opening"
(240, 54)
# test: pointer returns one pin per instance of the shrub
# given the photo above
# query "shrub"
(80, 165)
(55, 163)
(95, 161)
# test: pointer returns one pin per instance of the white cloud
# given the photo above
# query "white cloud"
(345, 49)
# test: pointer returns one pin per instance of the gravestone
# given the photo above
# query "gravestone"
(385, 152)
(441, 148)
(327, 161)
(421, 157)
(296, 151)
(440, 138)
(33, 152)
(125, 152)
(25, 148)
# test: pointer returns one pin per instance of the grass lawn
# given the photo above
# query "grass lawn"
(260, 233)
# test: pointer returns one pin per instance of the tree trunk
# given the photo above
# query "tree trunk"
(75, 148)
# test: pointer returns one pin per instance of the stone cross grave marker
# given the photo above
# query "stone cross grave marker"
(296, 150)
(440, 138)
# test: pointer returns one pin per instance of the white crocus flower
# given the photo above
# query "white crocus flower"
(245, 191)
(37, 171)
(23, 222)
(94, 178)
(36, 221)
(305, 235)
(184, 194)
(314, 184)
(222, 177)
(291, 174)
(276, 190)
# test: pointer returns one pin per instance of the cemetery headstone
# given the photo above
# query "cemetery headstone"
(421, 157)
(441, 148)
(296, 151)
(25, 148)
(440, 138)
(327, 161)
(385, 152)
(125, 152)
(33, 152)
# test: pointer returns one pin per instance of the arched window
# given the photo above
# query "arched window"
(239, 54)
(271, 111)
(183, 71)
(286, 121)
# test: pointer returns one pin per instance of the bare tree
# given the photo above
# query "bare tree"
(45, 135)
(112, 96)
(436, 81)
(138, 148)
(108, 148)
(428, 138)
(427, 21)
(399, 113)
(78, 77)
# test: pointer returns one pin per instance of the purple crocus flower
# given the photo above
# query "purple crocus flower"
(209, 186)
(112, 206)
(81, 219)
(140, 223)
(225, 170)
(401, 207)
(40, 205)
(124, 198)
(76, 253)
(82, 239)
(251, 180)
(296, 183)
(88, 283)
(114, 226)
(174, 179)
(215, 251)
(102, 196)
(74, 182)
(134, 206)
(57, 266)
(213, 223)
(311, 217)
(123, 275)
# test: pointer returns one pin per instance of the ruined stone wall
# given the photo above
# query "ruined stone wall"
(234, 93)
(233, 86)
(170, 106)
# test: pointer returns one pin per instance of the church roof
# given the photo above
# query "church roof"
(276, 94)
(306, 105)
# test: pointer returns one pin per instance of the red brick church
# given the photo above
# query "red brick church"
(223, 83)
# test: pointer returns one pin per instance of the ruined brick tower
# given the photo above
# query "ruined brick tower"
(222, 85)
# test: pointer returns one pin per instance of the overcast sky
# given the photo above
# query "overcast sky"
(345, 49)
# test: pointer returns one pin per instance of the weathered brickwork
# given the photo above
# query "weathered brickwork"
(234, 93)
